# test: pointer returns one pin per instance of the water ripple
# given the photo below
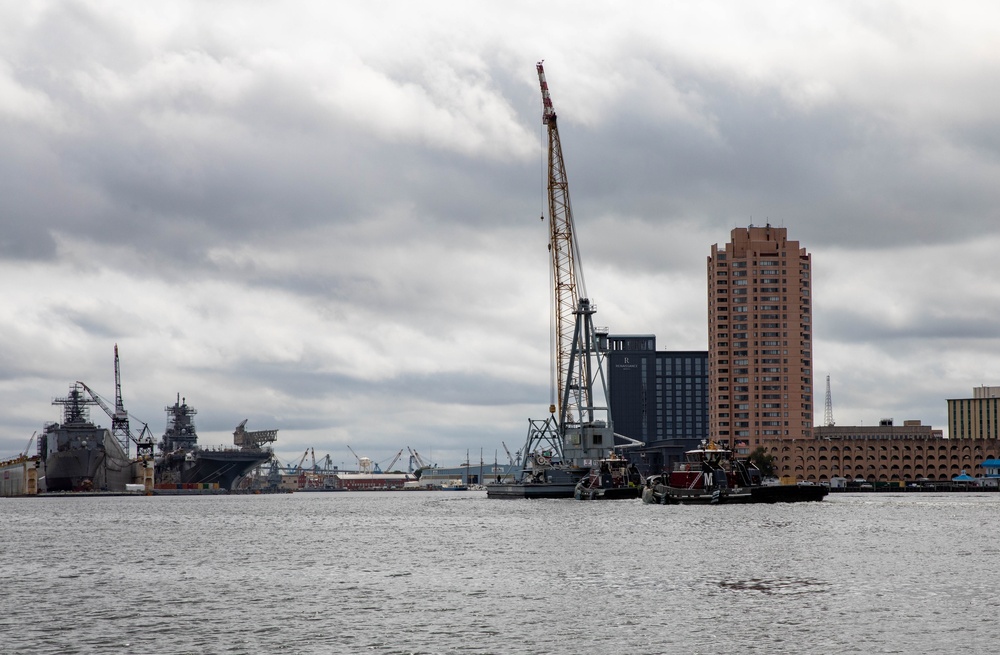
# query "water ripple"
(429, 573)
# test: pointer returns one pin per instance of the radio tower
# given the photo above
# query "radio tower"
(828, 413)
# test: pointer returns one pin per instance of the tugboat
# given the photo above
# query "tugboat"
(711, 475)
(612, 478)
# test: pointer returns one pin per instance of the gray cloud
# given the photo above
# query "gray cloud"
(325, 218)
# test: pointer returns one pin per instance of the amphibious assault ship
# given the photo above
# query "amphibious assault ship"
(182, 462)
(77, 455)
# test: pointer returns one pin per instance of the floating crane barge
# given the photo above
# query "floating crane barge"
(560, 452)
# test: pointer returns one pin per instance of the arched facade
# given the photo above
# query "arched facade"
(881, 459)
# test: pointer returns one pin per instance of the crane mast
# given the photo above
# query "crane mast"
(119, 419)
(567, 275)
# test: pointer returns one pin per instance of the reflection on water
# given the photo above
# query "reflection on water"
(785, 586)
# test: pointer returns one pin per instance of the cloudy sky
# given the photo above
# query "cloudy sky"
(324, 217)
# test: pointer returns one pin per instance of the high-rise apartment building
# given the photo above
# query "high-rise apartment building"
(760, 373)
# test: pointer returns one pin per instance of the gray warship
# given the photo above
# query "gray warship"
(77, 455)
(181, 461)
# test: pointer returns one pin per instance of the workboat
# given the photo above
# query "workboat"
(77, 455)
(611, 478)
(712, 475)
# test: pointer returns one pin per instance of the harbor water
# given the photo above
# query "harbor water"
(455, 572)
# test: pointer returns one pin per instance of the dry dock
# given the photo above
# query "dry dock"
(19, 476)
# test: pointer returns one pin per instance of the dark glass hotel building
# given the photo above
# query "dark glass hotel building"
(660, 398)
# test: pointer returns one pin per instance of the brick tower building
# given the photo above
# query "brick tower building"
(760, 373)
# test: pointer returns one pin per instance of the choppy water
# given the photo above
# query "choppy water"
(454, 572)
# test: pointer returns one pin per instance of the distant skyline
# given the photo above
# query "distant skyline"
(324, 218)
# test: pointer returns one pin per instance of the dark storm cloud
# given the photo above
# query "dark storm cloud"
(841, 174)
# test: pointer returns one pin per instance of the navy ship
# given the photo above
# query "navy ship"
(182, 461)
(77, 455)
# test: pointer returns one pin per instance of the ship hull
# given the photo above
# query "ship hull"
(84, 460)
(530, 490)
(224, 468)
(548, 483)
(666, 495)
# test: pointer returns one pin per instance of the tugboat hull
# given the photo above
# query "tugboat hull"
(550, 483)
(711, 475)
(666, 495)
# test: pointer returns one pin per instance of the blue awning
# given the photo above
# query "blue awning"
(965, 477)
(995, 463)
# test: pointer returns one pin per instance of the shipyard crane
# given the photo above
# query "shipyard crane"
(120, 429)
(252, 439)
(575, 431)
(415, 457)
(298, 467)
(144, 442)
(119, 420)
(28, 447)
(507, 450)
(365, 464)
(394, 460)
(565, 265)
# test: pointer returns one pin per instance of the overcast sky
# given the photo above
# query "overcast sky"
(324, 217)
